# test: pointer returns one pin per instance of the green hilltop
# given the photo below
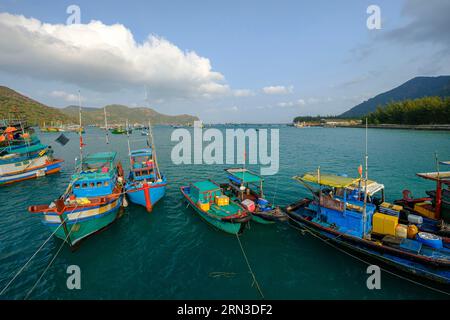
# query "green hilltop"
(118, 114)
(13, 104)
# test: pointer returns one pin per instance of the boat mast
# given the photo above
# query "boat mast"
(128, 139)
(152, 144)
(80, 131)
(438, 188)
(365, 189)
(106, 125)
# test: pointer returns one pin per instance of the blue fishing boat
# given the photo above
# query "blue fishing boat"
(22, 155)
(343, 211)
(208, 200)
(246, 188)
(90, 203)
(146, 184)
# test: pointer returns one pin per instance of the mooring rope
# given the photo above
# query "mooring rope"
(364, 261)
(53, 259)
(250, 268)
(31, 258)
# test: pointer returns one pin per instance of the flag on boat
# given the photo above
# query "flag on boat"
(62, 139)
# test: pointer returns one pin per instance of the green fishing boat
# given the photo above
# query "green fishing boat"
(208, 200)
(246, 188)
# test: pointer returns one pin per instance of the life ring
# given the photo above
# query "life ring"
(430, 240)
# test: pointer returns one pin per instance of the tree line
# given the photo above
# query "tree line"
(428, 110)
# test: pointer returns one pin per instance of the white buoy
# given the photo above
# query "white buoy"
(125, 202)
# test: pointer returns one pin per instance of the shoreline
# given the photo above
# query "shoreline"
(430, 127)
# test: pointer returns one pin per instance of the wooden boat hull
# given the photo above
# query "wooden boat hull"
(146, 195)
(41, 167)
(81, 221)
(232, 227)
(410, 263)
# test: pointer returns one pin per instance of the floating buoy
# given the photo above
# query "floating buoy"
(430, 240)
(125, 202)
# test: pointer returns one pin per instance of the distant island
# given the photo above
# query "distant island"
(420, 103)
(428, 110)
(13, 103)
(418, 87)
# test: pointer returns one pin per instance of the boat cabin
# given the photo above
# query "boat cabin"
(439, 206)
(339, 202)
(204, 192)
(142, 165)
(96, 177)
(243, 177)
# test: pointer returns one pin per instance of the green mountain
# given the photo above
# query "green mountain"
(417, 87)
(14, 104)
(118, 114)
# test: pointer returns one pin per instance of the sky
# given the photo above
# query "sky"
(224, 61)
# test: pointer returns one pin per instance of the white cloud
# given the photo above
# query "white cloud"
(297, 103)
(69, 97)
(243, 93)
(104, 58)
(278, 89)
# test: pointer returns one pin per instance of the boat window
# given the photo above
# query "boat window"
(26, 162)
(18, 164)
(91, 184)
(99, 184)
(77, 186)
(106, 183)
(84, 185)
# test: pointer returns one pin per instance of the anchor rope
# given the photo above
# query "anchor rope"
(308, 229)
(53, 259)
(255, 282)
(34, 254)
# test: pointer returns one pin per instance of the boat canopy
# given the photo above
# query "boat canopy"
(28, 149)
(330, 180)
(100, 157)
(206, 186)
(336, 181)
(243, 175)
(443, 176)
(141, 152)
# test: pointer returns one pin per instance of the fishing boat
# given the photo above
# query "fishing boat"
(22, 155)
(121, 130)
(146, 185)
(208, 200)
(246, 188)
(434, 209)
(340, 212)
(90, 203)
(92, 200)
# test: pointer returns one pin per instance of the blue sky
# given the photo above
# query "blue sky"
(256, 61)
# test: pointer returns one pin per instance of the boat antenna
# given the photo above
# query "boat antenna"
(80, 131)
(106, 125)
(150, 140)
(365, 188)
(128, 139)
(152, 144)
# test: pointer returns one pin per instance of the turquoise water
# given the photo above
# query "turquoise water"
(172, 254)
